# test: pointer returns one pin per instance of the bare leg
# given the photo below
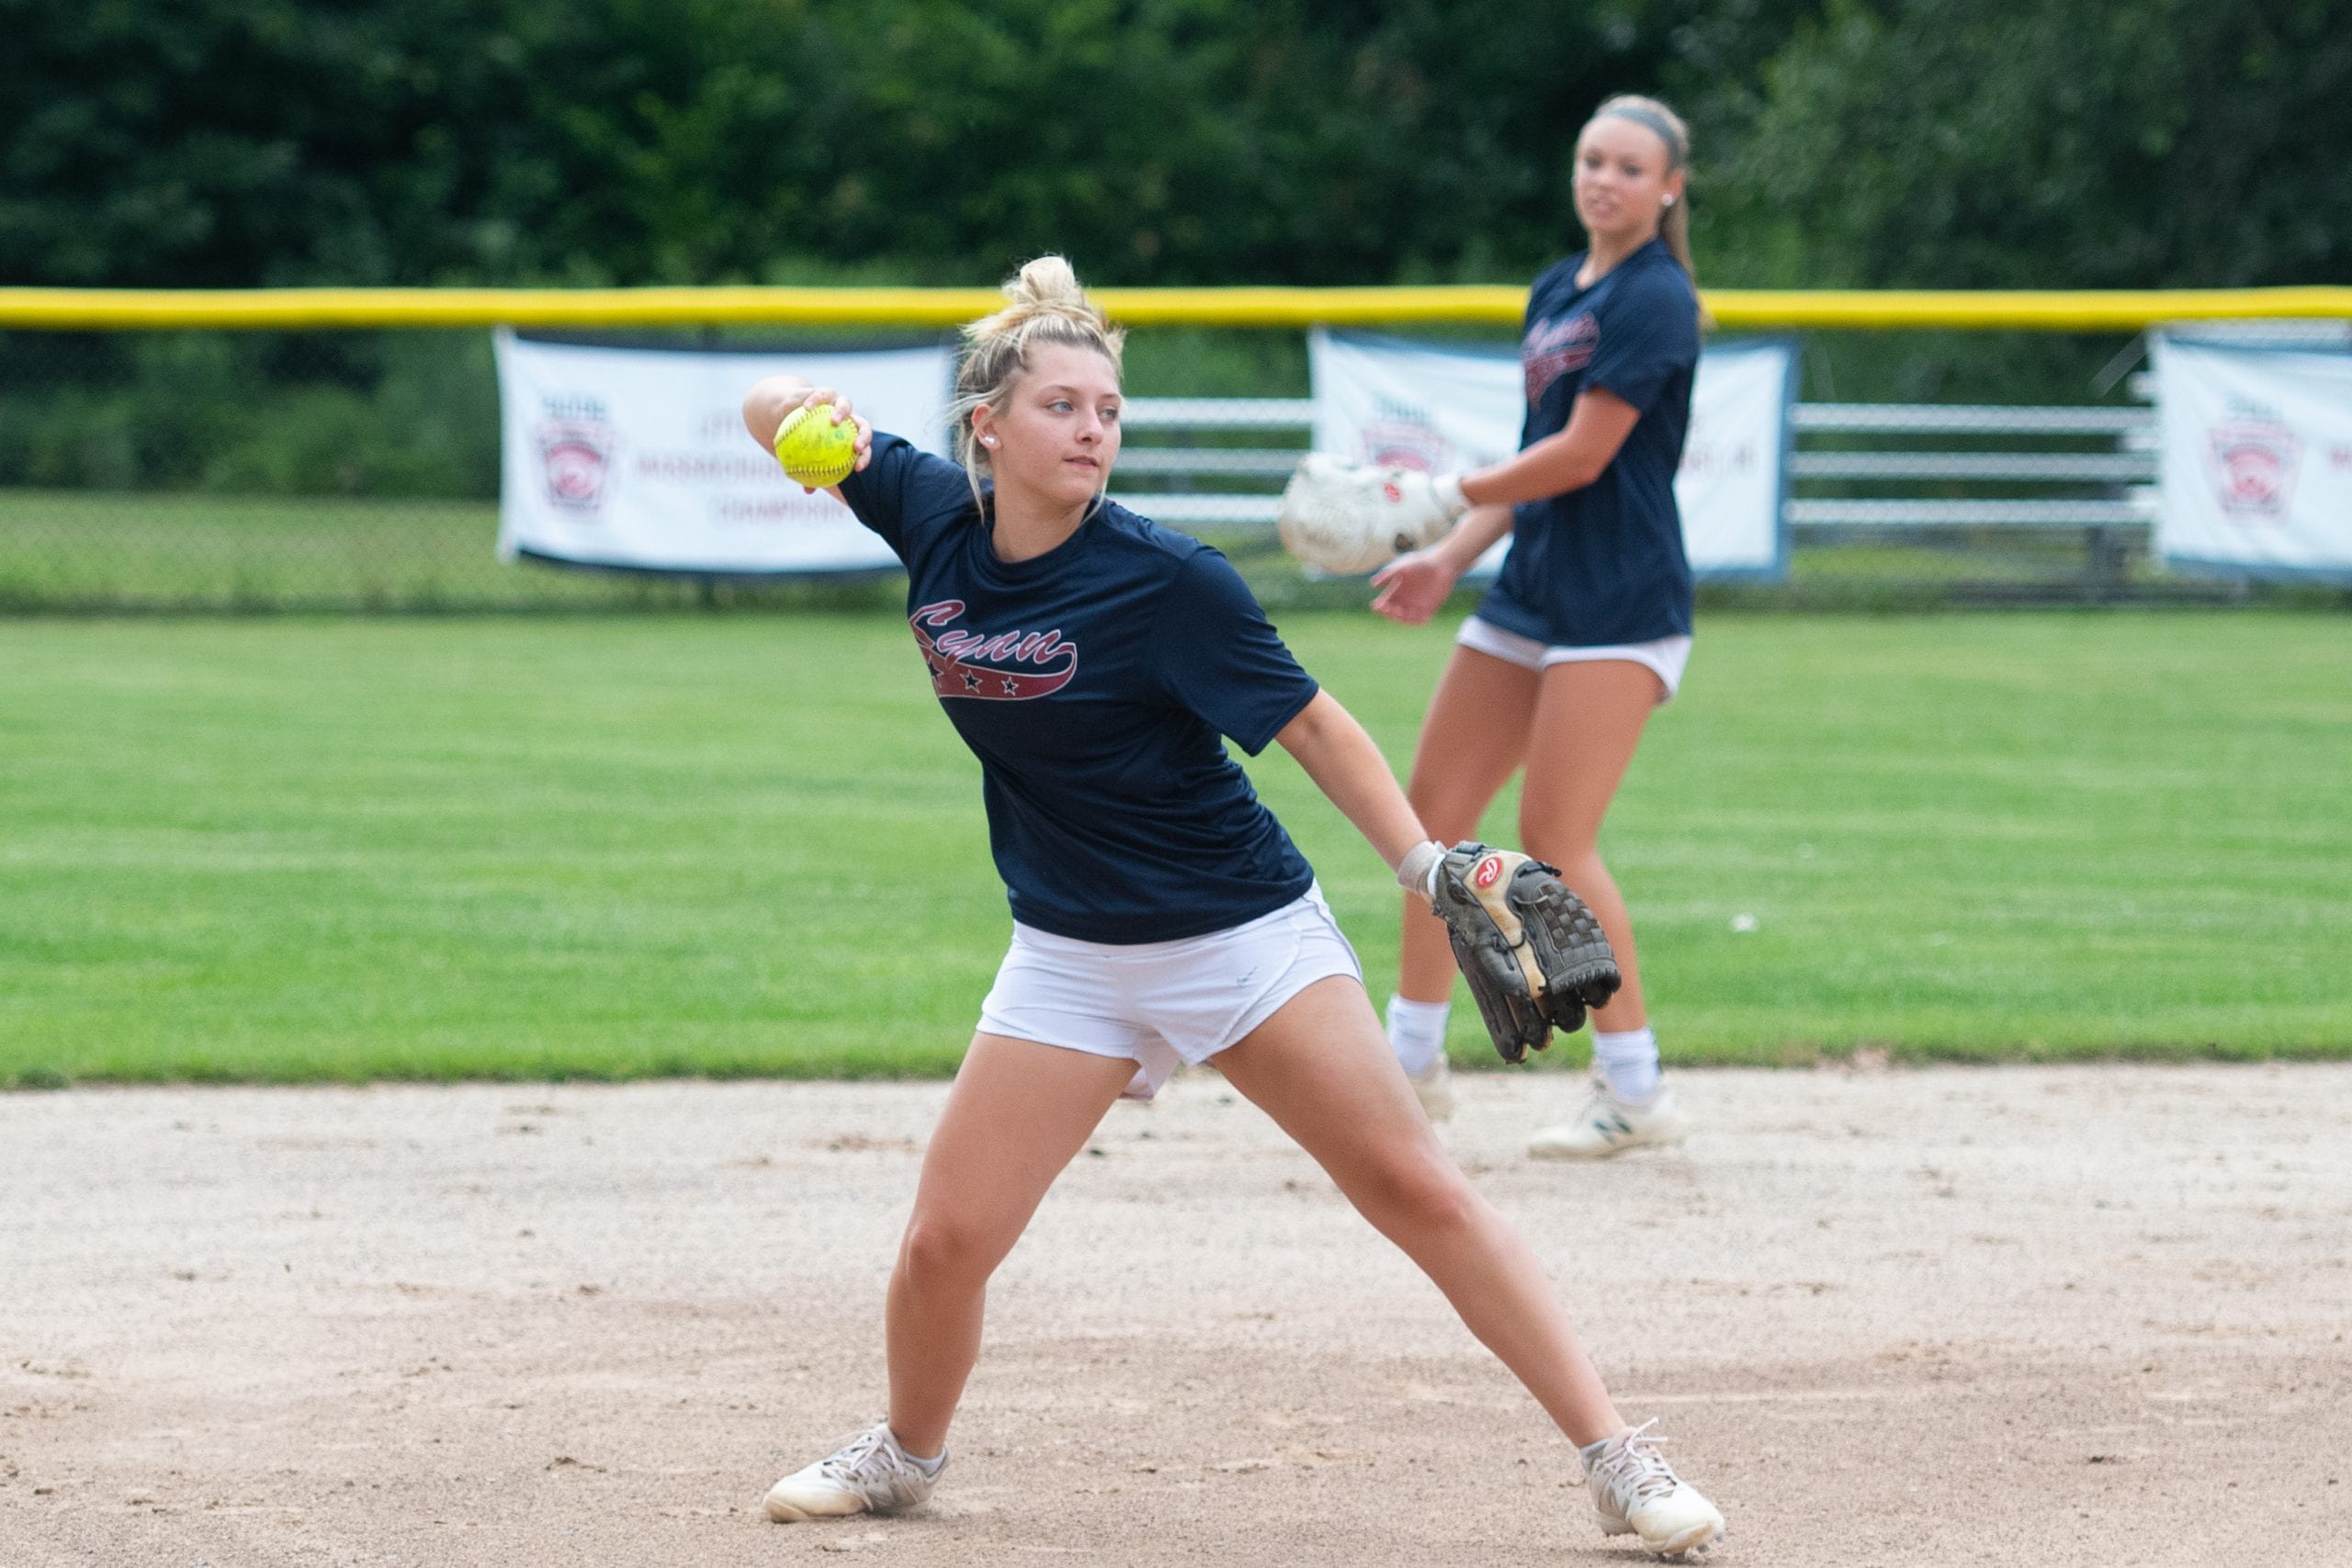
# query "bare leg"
(1018, 1114)
(1322, 1069)
(1471, 744)
(1589, 717)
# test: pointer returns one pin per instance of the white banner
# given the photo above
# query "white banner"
(2256, 461)
(1384, 399)
(637, 457)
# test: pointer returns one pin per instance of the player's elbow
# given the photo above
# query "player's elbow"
(1313, 727)
(1577, 470)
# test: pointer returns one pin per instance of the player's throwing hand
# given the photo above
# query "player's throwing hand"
(775, 401)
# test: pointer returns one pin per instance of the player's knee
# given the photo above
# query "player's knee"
(941, 1249)
(1549, 843)
(1425, 1194)
(1444, 818)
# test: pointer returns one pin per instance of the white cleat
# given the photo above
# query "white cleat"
(869, 1474)
(1638, 1493)
(1608, 1125)
(1434, 1089)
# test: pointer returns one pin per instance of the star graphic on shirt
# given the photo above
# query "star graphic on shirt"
(1012, 687)
(971, 682)
(933, 665)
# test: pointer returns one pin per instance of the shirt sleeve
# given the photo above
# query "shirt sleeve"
(905, 492)
(1646, 336)
(1217, 655)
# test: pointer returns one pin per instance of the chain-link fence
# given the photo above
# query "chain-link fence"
(211, 470)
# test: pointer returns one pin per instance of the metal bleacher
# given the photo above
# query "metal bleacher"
(1965, 487)
(1209, 484)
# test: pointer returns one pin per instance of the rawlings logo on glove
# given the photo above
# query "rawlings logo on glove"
(1345, 518)
(1533, 955)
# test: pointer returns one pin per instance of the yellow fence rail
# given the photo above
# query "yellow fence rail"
(99, 310)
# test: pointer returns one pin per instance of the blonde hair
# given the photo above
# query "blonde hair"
(1046, 305)
(1662, 122)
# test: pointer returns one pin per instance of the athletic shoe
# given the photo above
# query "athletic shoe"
(869, 1474)
(1434, 1089)
(1638, 1494)
(1608, 1125)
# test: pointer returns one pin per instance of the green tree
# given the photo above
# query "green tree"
(211, 143)
(2062, 143)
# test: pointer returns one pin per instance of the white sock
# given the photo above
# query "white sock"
(1628, 1060)
(1417, 1033)
(928, 1466)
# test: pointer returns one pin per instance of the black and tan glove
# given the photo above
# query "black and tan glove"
(1533, 955)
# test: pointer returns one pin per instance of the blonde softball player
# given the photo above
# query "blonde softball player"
(1092, 659)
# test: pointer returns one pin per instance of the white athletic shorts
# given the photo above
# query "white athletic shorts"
(1159, 1003)
(1665, 658)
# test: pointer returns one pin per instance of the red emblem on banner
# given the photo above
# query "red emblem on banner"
(576, 455)
(2254, 466)
(1401, 443)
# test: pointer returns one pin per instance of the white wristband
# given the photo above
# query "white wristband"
(1416, 872)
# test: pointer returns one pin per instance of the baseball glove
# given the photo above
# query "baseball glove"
(1345, 518)
(1533, 955)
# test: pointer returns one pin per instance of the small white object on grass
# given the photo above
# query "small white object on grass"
(1743, 923)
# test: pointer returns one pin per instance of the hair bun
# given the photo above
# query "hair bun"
(1047, 280)
(1048, 286)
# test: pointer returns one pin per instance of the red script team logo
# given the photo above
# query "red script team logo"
(990, 667)
(1553, 349)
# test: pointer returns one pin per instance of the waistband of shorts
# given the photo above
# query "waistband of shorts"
(1047, 941)
(1664, 657)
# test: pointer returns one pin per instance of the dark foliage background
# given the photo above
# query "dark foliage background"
(1924, 142)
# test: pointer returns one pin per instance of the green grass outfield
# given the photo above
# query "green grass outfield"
(96, 551)
(730, 844)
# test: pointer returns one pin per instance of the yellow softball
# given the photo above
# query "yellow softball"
(813, 449)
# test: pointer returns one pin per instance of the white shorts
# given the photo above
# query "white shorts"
(1665, 658)
(1159, 1003)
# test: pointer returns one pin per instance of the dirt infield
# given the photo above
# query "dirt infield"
(2017, 1316)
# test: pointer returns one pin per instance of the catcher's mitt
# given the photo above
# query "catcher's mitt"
(1345, 518)
(1533, 955)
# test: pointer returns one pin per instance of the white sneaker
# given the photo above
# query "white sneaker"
(869, 1474)
(1609, 1126)
(1638, 1494)
(1434, 1089)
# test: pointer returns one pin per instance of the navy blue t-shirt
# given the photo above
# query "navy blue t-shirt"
(1603, 564)
(1093, 682)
